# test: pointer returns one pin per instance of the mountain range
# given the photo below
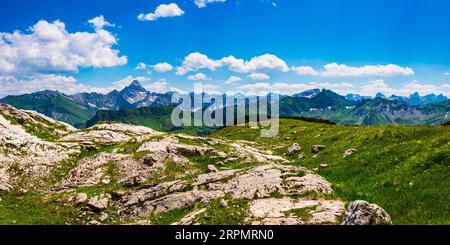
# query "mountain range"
(126, 105)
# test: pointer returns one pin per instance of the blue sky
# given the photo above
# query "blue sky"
(350, 46)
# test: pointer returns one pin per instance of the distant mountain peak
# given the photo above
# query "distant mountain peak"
(308, 93)
(136, 86)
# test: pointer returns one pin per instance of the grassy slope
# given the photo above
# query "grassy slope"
(158, 118)
(403, 169)
(53, 106)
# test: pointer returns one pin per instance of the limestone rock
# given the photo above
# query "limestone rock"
(92, 171)
(275, 211)
(363, 213)
(188, 219)
(99, 202)
(293, 149)
(317, 148)
(212, 169)
(258, 182)
(81, 198)
(349, 152)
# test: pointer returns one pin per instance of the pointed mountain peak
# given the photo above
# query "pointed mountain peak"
(136, 85)
(380, 95)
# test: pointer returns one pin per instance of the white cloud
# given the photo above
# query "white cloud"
(199, 77)
(10, 85)
(263, 88)
(141, 66)
(339, 70)
(162, 11)
(263, 62)
(158, 87)
(163, 67)
(120, 84)
(446, 73)
(259, 76)
(99, 22)
(197, 61)
(405, 89)
(202, 3)
(305, 70)
(211, 89)
(233, 79)
(49, 47)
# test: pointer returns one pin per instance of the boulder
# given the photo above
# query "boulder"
(363, 213)
(81, 198)
(293, 149)
(317, 148)
(99, 202)
(349, 152)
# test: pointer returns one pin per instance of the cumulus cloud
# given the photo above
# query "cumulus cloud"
(163, 67)
(158, 87)
(259, 76)
(99, 22)
(10, 85)
(263, 62)
(49, 47)
(141, 66)
(211, 89)
(162, 11)
(202, 3)
(339, 70)
(233, 79)
(197, 61)
(199, 77)
(305, 70)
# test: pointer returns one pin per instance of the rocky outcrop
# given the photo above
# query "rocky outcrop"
(91, 171)
(257, 182)
(243, 149)
(111, 133)
(27, 155)
(363, 213)
(287, 211)
(98, 202)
